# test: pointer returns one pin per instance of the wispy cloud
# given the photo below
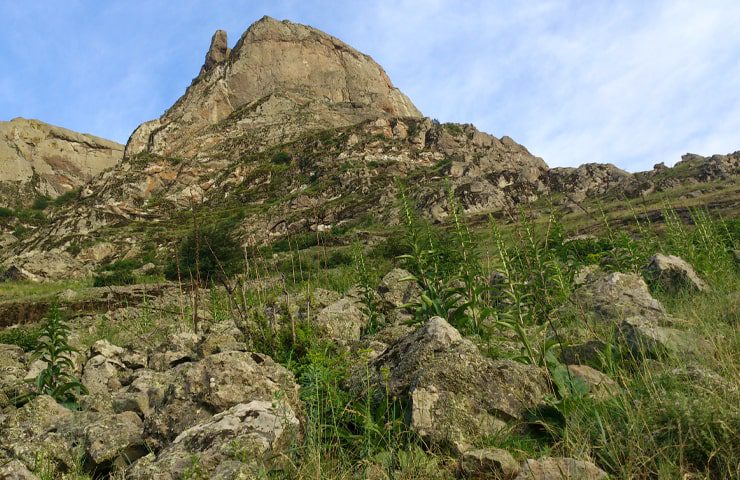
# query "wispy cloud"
(630, 83)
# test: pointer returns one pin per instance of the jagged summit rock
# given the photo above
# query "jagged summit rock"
(41, 159)
(217, 52)
(291, 72)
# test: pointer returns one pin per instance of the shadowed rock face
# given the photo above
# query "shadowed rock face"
(40, 159)
(310, 71)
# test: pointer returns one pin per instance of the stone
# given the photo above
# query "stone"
(343, 320)
(600, 385)
(115, 440)
(645, 338)
(16, 470)
(178, 348)
(397, 288)
(217, 52)
(231, 444)
(488, 463)
(611, 297)
(455, 393)
(551, 468)
(673, 273)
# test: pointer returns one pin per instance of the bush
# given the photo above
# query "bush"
(6, 212)
(40, 203)
(107, 279)
(207, 256)
(281, 158)
(25, 337)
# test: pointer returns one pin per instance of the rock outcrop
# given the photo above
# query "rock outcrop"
(40, 159)
(455, 393)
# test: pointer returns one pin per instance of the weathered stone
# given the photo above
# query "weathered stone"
(15, 470)
(342, 320)
(398, 288)
(612, 297)
(673, 273)
(455, 393)
(236, 442)
(488, 463)
(647, 339)
(115, 440)
(550, 468)
(179, 348)
(600, 385)
(217, 52)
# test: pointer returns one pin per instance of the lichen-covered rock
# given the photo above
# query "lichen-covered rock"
(673, 273)
(15, 470)
(115, 440)
(214, 384)
(342, 321)
(551, 468)
(455, 393)
(612, 297)
(12, 374)
(488, 463)
(646, 338)
(599, 384)
(233, 444)
(178, 348)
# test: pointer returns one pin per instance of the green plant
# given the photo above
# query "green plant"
(114, 278)
(23, 336)
(281, 158)
(57, 379)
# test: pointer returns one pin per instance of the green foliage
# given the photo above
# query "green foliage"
(6, 212)
(40, 203)
(120, 277)
(281, 158)
(23, 336)
(207, 254)
(57, 379)
(67, 197)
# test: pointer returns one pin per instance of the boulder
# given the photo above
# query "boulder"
(551, 468)
(342, 321)
(397, 290)
(115, 441)
(488, 463)
(645, 338)
(16, 470)
(236, 443)
(178, 348)
(218, 382)
(611, 297)
(455, 393)
(600, 385)
(673, 273)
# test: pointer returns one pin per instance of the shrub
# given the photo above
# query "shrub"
(281, 158)
(23, 336)
(6, 212)
(207, 255)
(107, 279)
(40, 203)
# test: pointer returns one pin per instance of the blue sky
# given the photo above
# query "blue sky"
(630, 82)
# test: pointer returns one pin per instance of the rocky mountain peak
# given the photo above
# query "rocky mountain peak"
(217, 52)
(41, 159)
(286, 73)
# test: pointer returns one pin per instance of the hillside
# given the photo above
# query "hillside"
(293, 273)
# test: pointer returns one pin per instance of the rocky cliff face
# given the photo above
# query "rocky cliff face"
(295, 77)
(40, 159)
